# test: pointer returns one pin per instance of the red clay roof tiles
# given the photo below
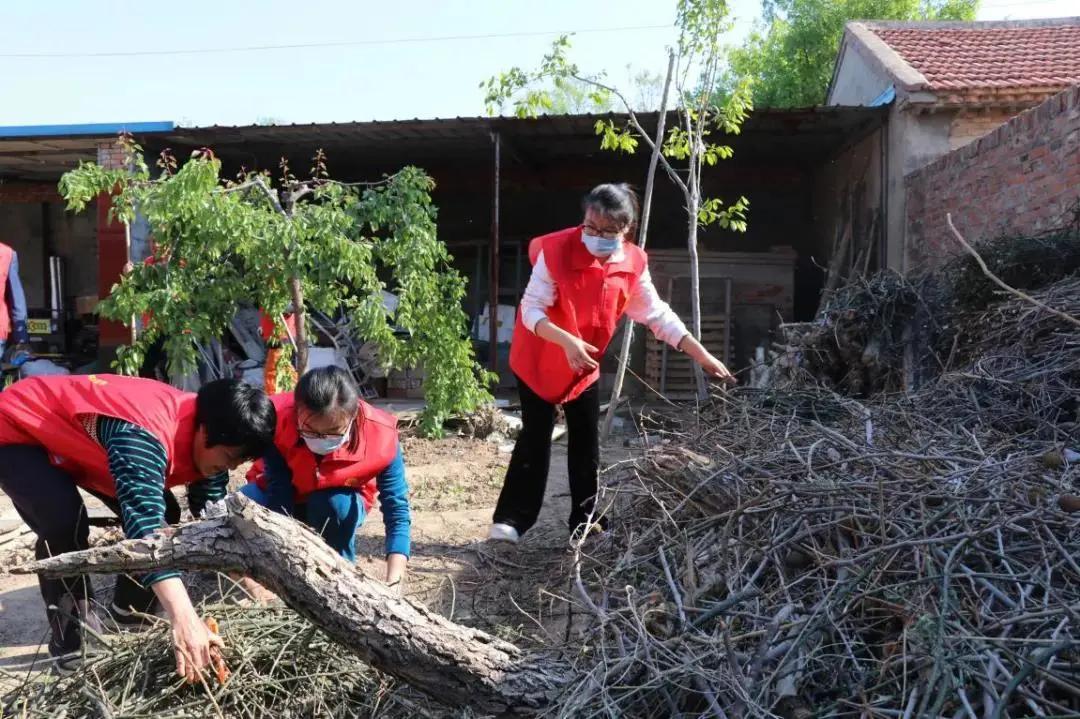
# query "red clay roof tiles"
(989, 58)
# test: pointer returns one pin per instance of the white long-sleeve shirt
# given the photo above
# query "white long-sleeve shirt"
(644, 304)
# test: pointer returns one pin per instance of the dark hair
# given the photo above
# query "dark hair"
(236, 414)
(615, 200)
(326, 389)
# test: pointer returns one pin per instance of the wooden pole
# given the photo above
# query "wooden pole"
(133, 331)
(646, 209)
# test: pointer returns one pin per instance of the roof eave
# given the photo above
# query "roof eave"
(102, 129)
(872, 48)
(985, 98)
(971, 24)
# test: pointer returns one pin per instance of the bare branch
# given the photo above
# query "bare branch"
(671, 171)
(1001, 283)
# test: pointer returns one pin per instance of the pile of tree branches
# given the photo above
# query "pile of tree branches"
(867, 560)
(888, 333)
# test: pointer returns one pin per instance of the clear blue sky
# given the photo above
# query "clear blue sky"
(407, 75)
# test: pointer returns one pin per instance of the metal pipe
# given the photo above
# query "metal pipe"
(56, 287)
(493, 274)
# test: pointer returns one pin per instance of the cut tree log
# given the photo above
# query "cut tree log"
(451, 663)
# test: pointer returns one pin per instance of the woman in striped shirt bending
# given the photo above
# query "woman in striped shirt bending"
(126, 440)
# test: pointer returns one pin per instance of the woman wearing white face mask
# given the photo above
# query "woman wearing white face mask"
(584, 279)
(332, 454)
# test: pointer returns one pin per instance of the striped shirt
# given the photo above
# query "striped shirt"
(138, 463)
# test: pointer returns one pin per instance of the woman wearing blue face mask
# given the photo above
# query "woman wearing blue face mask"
(332, 454)
(584, 279)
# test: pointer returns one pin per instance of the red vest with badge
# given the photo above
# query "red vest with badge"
(356, 465)
(49, 412)
(590, 300)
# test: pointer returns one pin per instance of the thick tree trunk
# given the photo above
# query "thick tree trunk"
(301, 324)
(455, 665)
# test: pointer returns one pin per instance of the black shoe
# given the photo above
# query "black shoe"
(131, 597)
(72, 624)
(129, 617)
(67, 664)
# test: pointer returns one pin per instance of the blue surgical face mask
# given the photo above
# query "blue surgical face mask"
(326, 445)
(601, 246)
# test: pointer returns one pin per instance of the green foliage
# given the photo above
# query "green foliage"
(400, 219)
(617, 139)
(701, 24)
(732, 217)
(790, 56)
(219, 244)
(573, 97)
(529, 92)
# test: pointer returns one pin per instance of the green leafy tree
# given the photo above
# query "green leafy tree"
(790, 55)
(571, 96)
(687, 148)
(294, 245)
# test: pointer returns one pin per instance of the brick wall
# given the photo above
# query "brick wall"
(110, 155)
(1021, 178)
(12, 193)
(968, 126)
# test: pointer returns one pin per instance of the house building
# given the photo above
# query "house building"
(947, 84)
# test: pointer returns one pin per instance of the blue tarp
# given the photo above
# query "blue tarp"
(96, 128)
(884, 98)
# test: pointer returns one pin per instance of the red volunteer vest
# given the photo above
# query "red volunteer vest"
(48, 412)
(358, 468)
(6, 253)
(590, 301)
(266, 326)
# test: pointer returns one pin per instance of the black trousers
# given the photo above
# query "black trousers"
(48, 501)
(526, 478)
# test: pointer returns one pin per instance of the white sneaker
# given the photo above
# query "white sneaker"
(500, 532)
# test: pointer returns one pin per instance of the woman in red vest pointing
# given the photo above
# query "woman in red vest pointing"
(584, 279)
(332, 454)
(125, 440)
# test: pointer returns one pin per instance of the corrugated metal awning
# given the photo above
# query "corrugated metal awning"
(794, 135)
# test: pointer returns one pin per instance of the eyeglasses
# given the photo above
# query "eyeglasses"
(308, 434)
(608, 233)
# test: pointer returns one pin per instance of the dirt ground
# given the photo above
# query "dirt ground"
(453, 473)
(454, 482)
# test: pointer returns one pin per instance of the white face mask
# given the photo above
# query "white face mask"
(601, 246)
(326, 445)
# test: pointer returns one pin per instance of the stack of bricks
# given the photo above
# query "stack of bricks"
(110, 155)
(1021, 179)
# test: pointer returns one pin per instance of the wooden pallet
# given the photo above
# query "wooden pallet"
(678, 373)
